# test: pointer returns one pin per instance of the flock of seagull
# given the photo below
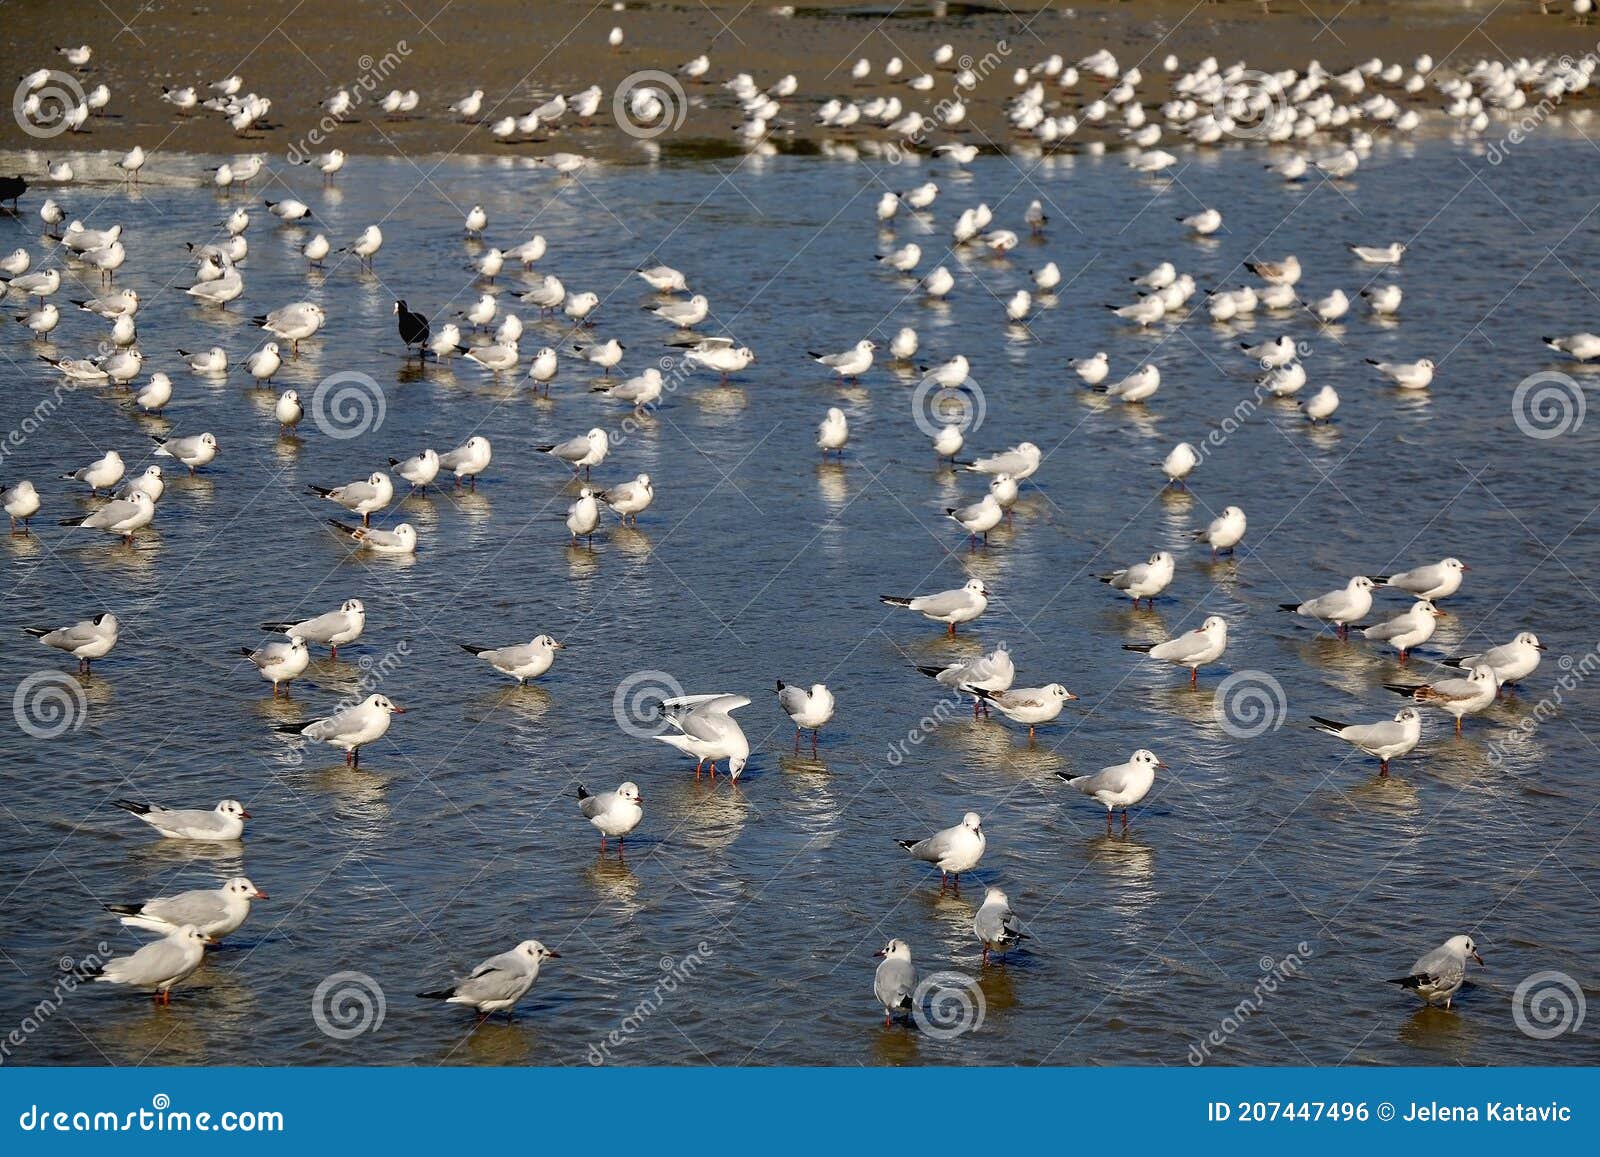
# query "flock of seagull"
(1333, 116)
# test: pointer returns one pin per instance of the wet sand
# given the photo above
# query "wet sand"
(519, 54)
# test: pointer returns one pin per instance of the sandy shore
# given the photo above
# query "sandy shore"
(520, 53)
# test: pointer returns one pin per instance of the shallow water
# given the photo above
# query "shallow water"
(739, 929)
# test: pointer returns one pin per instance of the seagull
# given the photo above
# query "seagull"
(1284, 272)
(419, 470)
(1511, 662)
(852, 363)
(101, 474)
(1119, 786)
(953, 607)
(1143, 580)
(288, 209)
(1349, 603)
(363, 498)
(613, 813)
(1137, 386)
(721, 355)
(366, 246)
(833, 431)
(1224, 532)
(684, 314)
(996, 926)
(953, 850)
(522, 661)
(1030, 705)
(1180, 463)
(638, 392)
(352, 728)
(1020, 462)
(1407, 375)
(497, 358)
(1379, 254)
(1192, 649)
(213, 361)
(401, 540)
(279, 662)
(468, 460)
(1581, 347)
(542, 369)
(21, 502)
(991, 672)
(664, 279)
(978, 518)
(1439, 975)
(583, 516)
(1320, 406)
(605, 355)
(150, 482)
(1203, 223)
(582, 452)
(1389, 739)
(629, 499)
(194, 451)
(1435, 581)
(85, 641)
(904, 259)
(948, 441)
(894, 984)
(1330, 308)
(222, 823)
(1457, 696)
(1092, 370)
(809, 710)
(120, 516)
(499, 982)
(158, 965)
(214, 911)
(1384, 300)
(1407, 630)
(287, 411)
(703, 727)
(332, 629)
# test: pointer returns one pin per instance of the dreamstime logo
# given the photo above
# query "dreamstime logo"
(649, 103)
(48, 704)
(1547, 405)
(47, 108)
(638, 699)
(1248, 704)
(348, 1004)
(1250, 106)
(933, 407)
(946, 1005)
(348, 404)
(1548, 1004)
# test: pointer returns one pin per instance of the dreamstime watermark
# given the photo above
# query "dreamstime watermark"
(674, 373)
(944, 710)
(73, 973)
(933, 407)
(1274, 974)
(1251, 107)
(1495, 152)
(348, 404)
(1548, 1004)
(47, 103)
(950, 110)
(1574, 673)
(373, 73)
(348, 1004)
(1547, 405)
(1248, 704)
(675, 973)
(649, 103)
(48, 704)
(374, 673)
(1247, 407)
(946, 1005)
(637, 702)
(33, 421)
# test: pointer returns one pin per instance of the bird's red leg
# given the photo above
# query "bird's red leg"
(1383, 768)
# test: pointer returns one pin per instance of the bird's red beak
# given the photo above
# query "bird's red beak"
(554, 955)
(399, 710)
(245, 815)
(261, 895)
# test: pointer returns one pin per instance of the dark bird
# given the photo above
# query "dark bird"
(414, 329)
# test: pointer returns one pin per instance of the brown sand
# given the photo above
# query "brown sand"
(297, 53)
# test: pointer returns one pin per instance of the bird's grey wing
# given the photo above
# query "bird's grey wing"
(940, 604)
(200, 908)
(596, 804)
(895, 982)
